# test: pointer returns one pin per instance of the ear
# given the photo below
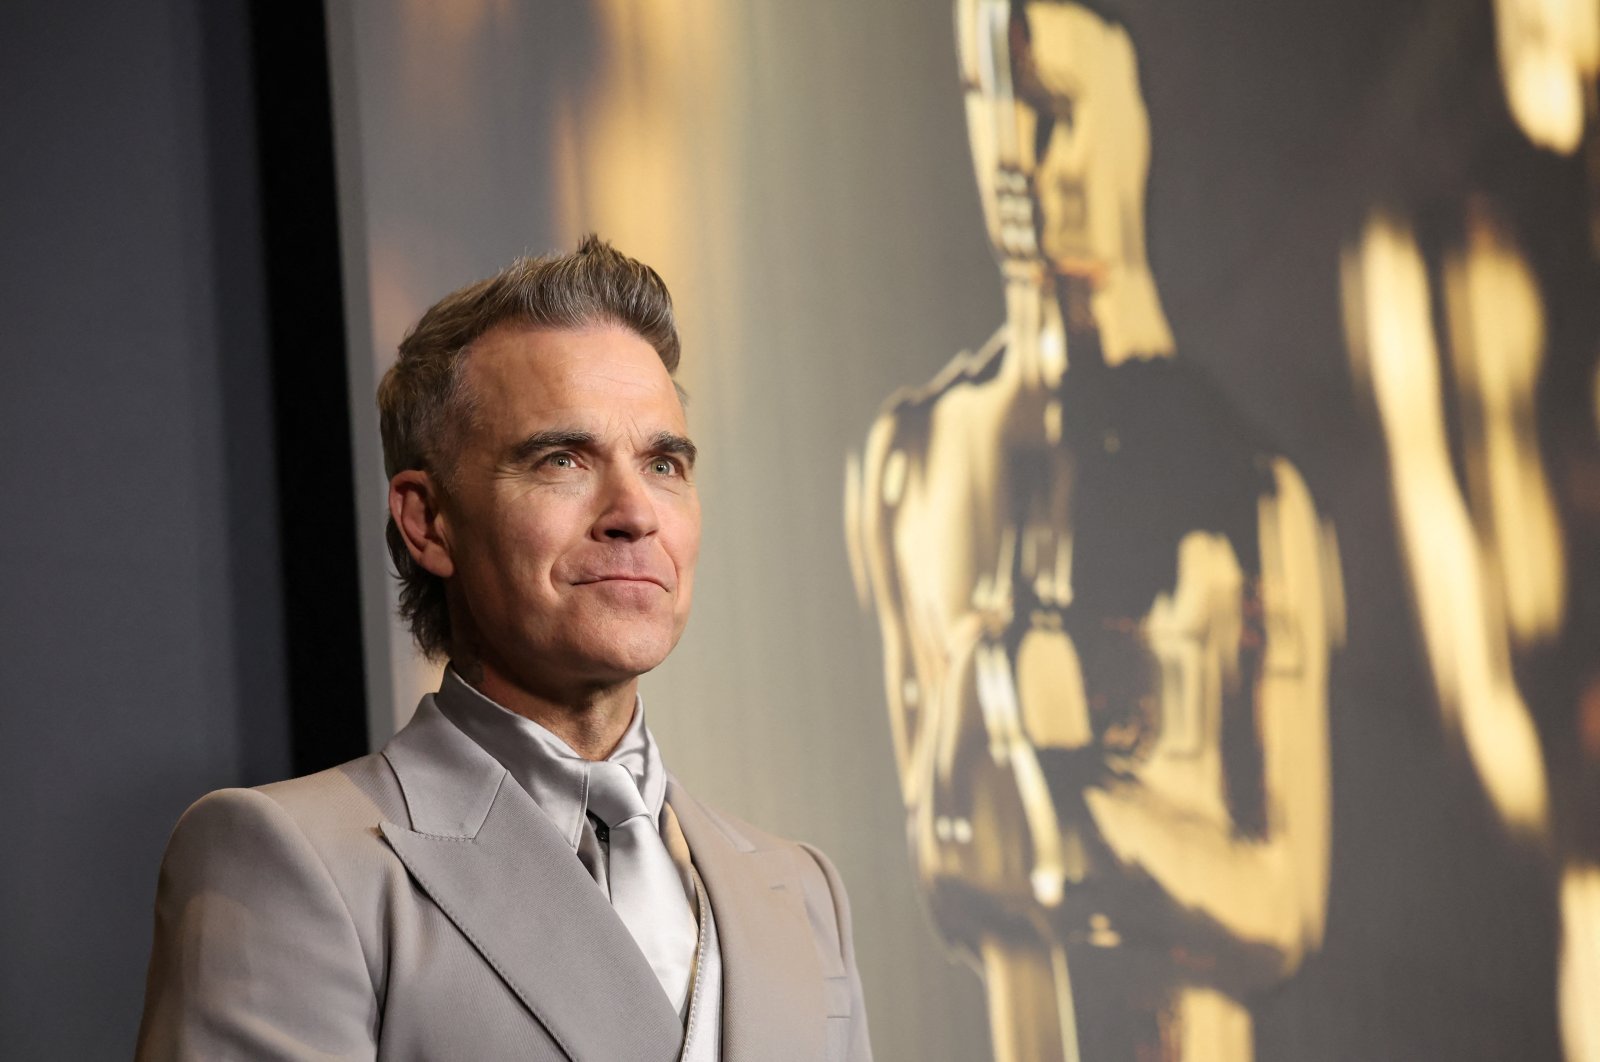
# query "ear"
(414, 503)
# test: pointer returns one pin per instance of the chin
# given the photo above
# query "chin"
(632, 653)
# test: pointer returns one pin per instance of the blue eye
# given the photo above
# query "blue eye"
(663, 466)
(562, 461)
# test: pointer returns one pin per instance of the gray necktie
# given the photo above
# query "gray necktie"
(646, 890)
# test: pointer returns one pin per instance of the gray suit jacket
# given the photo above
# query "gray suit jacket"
(417, 904)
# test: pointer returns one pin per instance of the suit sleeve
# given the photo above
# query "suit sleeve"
(855, 1045)
(255, 953)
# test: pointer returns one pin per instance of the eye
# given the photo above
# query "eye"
(561, 460)
(664, 466)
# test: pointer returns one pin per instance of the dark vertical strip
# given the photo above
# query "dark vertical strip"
(311, 410)
(238, 348)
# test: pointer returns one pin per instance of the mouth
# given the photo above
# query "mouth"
(620, 577)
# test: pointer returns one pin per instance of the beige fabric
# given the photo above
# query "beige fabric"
(678, 849)
(416, 904)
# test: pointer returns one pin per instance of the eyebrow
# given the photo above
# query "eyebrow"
(663, 442)
(666, 442)
(555, 439)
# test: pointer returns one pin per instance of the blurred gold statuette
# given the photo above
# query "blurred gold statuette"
(1107, 609)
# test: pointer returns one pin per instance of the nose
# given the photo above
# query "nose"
(627, 509)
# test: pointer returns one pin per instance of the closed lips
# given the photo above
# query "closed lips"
(628, 577)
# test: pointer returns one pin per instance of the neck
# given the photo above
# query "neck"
(591, 720)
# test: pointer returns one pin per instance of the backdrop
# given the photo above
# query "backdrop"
(1151, 469)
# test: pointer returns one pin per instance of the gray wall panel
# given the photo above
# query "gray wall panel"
(142, 660)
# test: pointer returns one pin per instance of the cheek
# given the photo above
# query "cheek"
(680, 539)
(516, 551)
(686, 539)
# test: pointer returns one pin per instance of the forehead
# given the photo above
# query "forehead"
(590, 377)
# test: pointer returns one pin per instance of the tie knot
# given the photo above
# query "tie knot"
(613, 794)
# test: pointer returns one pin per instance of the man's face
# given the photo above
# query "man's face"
(571, 521)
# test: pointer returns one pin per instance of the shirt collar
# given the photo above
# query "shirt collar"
(555, 776)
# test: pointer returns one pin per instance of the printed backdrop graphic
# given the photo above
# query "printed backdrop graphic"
(1209, 398)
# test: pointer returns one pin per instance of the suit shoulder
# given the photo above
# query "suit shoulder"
(814, 866)
(230, 840)
(362, 791)
(821, 887)
(254, 931)
(741, 834)
(325, 812)
(307, 850)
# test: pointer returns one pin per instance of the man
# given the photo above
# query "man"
(514, 875)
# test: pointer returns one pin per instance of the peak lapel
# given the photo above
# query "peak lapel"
(496, 866)
(772, 995)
